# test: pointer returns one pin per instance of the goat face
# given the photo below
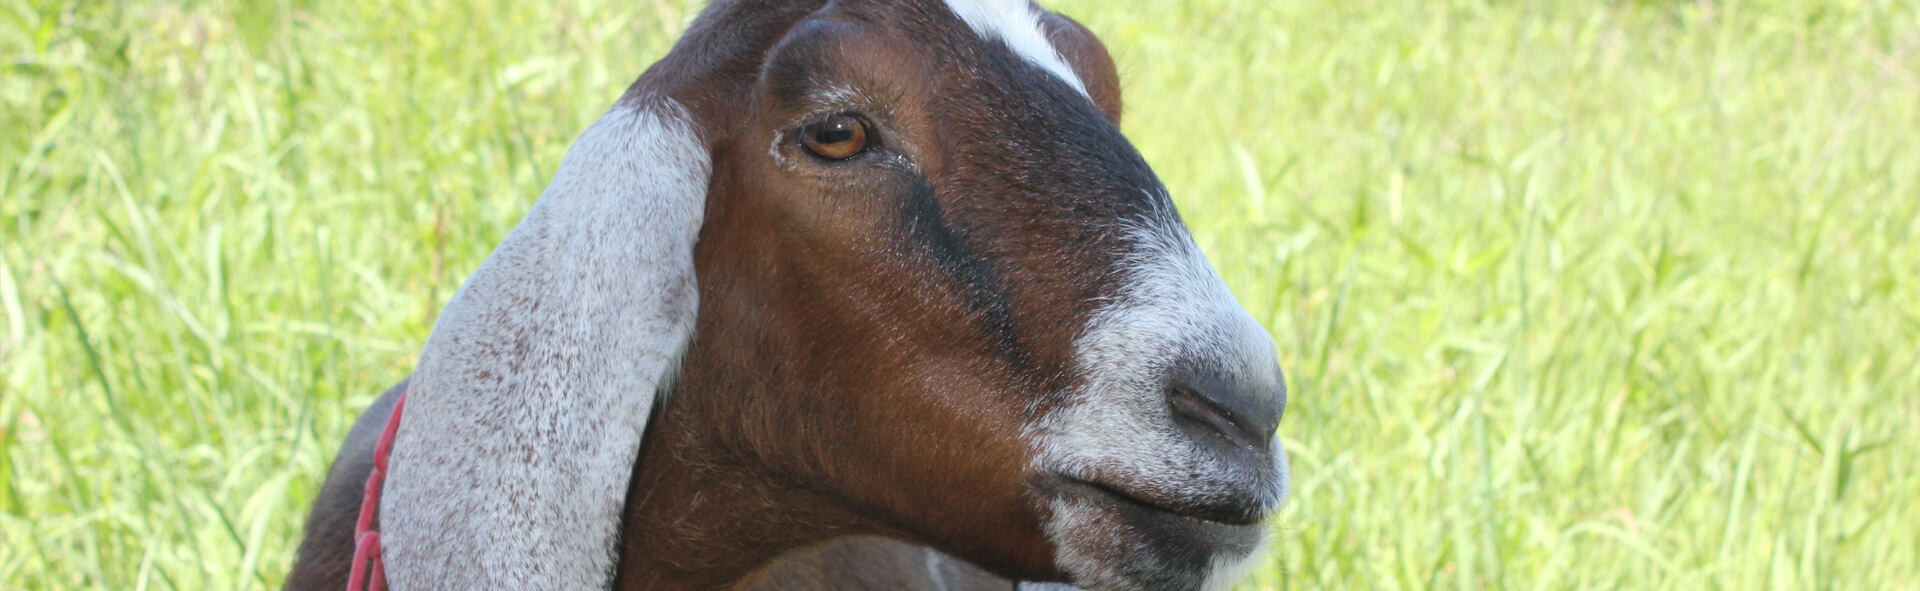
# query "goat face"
(939, 288)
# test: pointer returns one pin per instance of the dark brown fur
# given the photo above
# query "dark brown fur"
(808, 408)
(872, 338)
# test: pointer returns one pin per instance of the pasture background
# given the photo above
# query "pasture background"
(1595, 294)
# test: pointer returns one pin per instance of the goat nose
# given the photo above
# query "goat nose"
(1245, 411)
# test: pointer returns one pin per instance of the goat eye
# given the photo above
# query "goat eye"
(838, 138)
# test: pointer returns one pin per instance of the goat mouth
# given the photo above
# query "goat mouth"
(1216, 515)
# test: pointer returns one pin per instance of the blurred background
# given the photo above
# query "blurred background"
(1597, 294)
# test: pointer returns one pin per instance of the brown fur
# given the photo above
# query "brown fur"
(872, 336)
(841, 380)
(855, 563)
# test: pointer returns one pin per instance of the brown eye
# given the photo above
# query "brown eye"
(838, 138)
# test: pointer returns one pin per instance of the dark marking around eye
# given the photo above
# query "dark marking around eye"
(979, 282)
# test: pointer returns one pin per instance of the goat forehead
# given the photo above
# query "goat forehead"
(1017, 24)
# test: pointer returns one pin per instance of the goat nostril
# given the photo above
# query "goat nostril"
(1237, 429)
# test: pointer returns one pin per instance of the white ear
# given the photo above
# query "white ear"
(525, 414)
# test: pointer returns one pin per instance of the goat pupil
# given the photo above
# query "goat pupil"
(838, 138)
(836, 132)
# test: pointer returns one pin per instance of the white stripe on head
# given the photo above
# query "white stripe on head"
(1016, 23)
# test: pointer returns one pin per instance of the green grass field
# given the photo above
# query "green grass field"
(1603, 294)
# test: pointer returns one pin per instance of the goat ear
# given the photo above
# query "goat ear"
(526, 412)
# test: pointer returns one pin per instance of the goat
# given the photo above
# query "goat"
(831, 270)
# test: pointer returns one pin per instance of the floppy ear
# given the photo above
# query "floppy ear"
(526, 412)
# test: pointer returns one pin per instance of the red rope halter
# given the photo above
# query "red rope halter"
(366, 542)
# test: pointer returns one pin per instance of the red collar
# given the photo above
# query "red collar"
(366, 541)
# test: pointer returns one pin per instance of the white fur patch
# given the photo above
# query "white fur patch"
(934, 571)
(1117, 428)
(526, 411)
(1173, 306)
(1016, 23)
(1229, 569)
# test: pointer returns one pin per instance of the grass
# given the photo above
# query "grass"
(1608, 294)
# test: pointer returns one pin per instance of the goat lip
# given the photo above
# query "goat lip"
(1221, 516)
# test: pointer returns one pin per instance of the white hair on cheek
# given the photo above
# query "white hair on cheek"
(1172, 306)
